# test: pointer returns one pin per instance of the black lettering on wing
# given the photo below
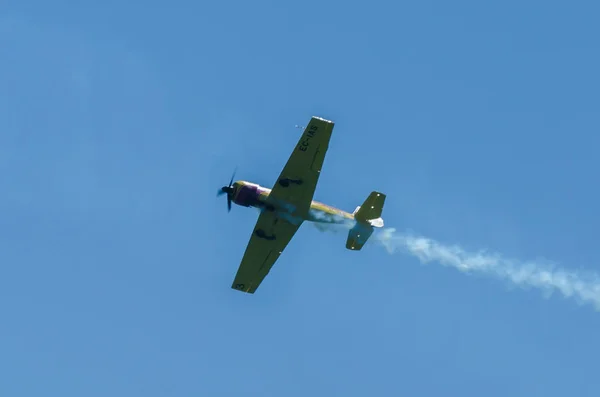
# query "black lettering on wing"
(310, 133)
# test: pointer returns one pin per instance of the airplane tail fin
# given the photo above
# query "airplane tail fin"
(368, 217)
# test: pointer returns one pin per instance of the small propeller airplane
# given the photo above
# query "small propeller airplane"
(290, 202)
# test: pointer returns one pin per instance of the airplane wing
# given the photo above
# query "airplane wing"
(297, 182)
(270, 237)
(295, 188)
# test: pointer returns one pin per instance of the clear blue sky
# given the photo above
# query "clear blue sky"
(120, 120)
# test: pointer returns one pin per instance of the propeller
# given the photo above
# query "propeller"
(228, 190)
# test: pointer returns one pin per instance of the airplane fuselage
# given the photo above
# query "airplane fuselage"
(249, 194)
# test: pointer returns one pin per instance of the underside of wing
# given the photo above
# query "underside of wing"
(269, 238)
(297, 182)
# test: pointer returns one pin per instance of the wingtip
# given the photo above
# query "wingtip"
(322, 119)
(243, 288)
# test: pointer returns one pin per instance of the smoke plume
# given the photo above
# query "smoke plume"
(584, 288)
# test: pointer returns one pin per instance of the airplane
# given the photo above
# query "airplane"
(289, 203)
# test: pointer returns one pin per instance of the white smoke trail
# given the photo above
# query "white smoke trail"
(583, 288)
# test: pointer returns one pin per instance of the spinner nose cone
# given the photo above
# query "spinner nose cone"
(223, 190)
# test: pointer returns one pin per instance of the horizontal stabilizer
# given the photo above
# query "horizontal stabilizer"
(368, 217)
(370, 211)
(358, 236)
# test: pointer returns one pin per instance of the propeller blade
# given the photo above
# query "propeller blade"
(232, 176)
(228, 190)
